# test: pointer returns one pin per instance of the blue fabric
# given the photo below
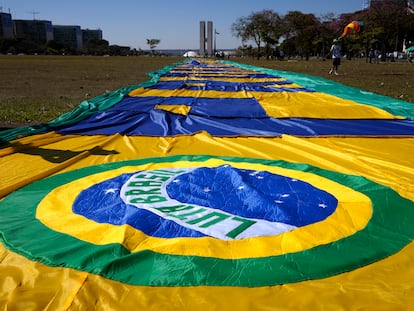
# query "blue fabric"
(102, 206)
(223, 76)
(250, 194)
(218, 107)
(244, 193)
(222, 117)
(228, 86)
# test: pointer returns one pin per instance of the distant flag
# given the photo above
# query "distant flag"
(357, 26)
(222, 184)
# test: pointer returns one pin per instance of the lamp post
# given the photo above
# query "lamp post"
(215, 47)
(215, 42)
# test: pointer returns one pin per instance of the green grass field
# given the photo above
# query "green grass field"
(36, 89)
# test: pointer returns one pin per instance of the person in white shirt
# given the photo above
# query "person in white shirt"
(336, 56)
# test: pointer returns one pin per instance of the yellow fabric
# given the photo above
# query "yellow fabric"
(369, 157)
(303, 104)
(32, 286)
(177, 109)
(286, 104)
(226, 79)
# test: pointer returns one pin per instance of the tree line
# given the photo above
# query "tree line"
(387, 27)
(26, 45)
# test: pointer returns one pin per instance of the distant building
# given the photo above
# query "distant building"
(210, 51)
(6, 25)
(69, 35)
(37, 30)
(42, 31)
(202, 50)
(91, 34)
(206, 39)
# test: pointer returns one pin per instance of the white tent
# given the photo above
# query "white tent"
(191, 54)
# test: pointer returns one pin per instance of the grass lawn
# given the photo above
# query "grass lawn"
(36, 89)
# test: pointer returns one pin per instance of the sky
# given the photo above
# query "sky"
(174, 22)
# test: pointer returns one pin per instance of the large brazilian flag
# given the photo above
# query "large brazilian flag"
(212, 186)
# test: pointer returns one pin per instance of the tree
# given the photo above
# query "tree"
(7, 45)
(303, 30)
(260, 27)
(54, 47)
(153, 43)
(323, 39)
(96, 47)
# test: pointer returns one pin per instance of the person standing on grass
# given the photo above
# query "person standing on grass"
(370, 55)
(336, 56)
(377, 55)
